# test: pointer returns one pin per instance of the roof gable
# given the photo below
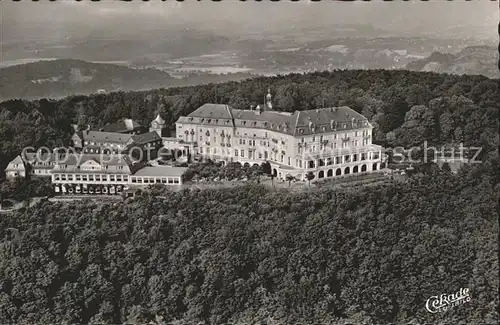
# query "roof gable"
(16, 164)
(90, 164)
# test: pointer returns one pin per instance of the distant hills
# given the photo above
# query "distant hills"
(481, 60)
(63, 77)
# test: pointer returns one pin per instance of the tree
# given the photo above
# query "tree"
(310, 177)
(447, 126)
(289, 178)
(419, 125)
(266, 168)
(446, 167)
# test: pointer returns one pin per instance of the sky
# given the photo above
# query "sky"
(68, 18)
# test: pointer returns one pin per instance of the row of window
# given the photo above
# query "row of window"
(154, 180)
(41, 171)
(333, 145)
(90, 178)
(103, 144)
(365, 133)
(41, 163)
(298, 162)
(106, 167)
(336, 136)
(338, 160)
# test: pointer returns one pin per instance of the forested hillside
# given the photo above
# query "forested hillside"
(405, 107)
(255, 256)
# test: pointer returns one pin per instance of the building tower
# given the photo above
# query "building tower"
(157, 125)
(269, 104)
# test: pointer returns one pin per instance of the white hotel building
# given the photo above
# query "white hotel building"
(329, 142)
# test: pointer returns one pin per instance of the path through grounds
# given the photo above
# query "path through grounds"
(368, 180)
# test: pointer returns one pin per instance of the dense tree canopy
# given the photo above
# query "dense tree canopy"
(250, 254)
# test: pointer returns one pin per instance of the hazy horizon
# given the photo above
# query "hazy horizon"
(68, 19)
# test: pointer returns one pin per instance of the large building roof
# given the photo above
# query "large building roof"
(73, 162)
(297, 123)
(213, 111)
(161, 171)
(145, 137)
(119, 138)
(125, 126)
(105, 137)
(41, 160)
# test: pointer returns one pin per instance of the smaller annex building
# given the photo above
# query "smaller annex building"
(113, 174)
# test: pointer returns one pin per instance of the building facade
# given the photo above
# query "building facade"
(157, 125)
(108, 174)
(31, 165)
(327, 142)
(16, 169)
(96, 142)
